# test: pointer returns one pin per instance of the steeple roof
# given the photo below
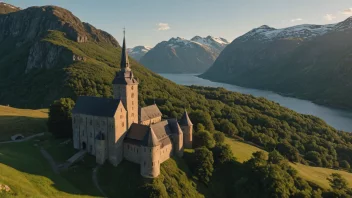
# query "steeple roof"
(125, 63)
(125, 75)
(185, 121)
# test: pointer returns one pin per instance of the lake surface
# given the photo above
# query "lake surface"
(339, 119)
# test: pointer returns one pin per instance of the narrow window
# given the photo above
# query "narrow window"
(132, 95)
(91, 134)
(131, 87)
(132, 114)
(122, 124)
(132, 103)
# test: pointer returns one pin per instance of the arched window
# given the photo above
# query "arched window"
(132, 114)
(131, 87)
(132, 95)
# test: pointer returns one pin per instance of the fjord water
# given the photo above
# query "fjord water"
(339, 119)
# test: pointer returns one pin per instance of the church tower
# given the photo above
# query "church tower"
(125, 87)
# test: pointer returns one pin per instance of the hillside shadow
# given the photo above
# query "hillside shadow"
(12, 125)
(25, 157)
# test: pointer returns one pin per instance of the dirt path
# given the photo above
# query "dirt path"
(95, 180)
(24, 139)
(50, 159)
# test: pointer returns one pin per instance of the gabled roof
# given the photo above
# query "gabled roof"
(185, 121)
(96, 106)
(149, 112)
(143, 135)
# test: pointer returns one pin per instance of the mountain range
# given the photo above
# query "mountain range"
(313, 62)
(179, 55)
(138, 52)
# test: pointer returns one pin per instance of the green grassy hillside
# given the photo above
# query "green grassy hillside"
(28, 174)
(317, 175)
(21, 121)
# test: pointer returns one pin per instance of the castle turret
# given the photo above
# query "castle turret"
(178, 141)
(125, 87)
(100, 145)
(187, 128)
(150, 160)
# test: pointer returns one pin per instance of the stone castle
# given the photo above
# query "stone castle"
(117, 129)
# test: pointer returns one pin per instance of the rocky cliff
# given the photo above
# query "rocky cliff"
(38, 39)
(307, 61)
(27, 28)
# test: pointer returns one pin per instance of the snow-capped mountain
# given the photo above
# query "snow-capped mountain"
(138, 52)
(180, 55)
(305, 32)
(212, 42)
(308, 61)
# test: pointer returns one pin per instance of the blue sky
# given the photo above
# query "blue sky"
(148, 22)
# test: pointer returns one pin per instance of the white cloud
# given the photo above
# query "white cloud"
(295, 20)
(329, 17)
(348, 12)
(163, 26)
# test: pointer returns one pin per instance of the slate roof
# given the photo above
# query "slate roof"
(185, 121)
(149, 112)
(139, 134)
(96, 106)
(150, 139)
(174, 126)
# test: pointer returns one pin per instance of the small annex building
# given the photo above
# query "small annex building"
(114, 129)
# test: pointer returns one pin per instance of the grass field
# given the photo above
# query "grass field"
(28, 174)
(317, 175)
(21, 121)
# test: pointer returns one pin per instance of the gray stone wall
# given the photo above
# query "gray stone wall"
(132, 153)
(151, 121)
(165, 153)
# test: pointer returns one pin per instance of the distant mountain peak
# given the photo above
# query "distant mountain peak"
(138, 52)
(265, 33)
(6, 8)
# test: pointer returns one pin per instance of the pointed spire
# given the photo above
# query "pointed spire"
(125, 64)
(185, 121)
(150, 139)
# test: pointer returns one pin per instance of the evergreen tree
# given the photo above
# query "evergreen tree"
(60, 118)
